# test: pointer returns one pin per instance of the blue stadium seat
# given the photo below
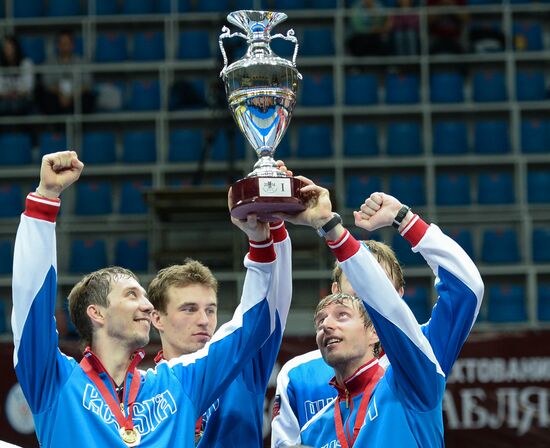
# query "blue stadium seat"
(6, 257)
(184, 5)
(404, 138)
(314, 141)
(194, 45)
(535, 136)
(98, 147)
(149, 46)
(283, 5)
(418, 299)
(213, 6)
(49, 142)
(87, 255)
(450, 137)
(402, 89)
(530, 86)
(543, 291)
(93, 198)
(138, 7)
(324, 4)
(317, 42)
(496, 188)
(491, 137)
(500, 245)
(464, 238)
(447, 87)
(11, 200)
(541, 245)
(139, 147)
(538, 187)
(284, 150)
(106, 7)
(506, 303)
(144, 95)
(317, 90)
(34, 47)
(28, 8)
(220, 149)
(528, 36)
(489, 86)
(361, 140)
(131, 197)
(132, 254)
(15, 149)
(409, 188)
(361, 89)
(404, 254)
(243, 4)
(111, 47)
(283, 48)
(453, 189)
(359, 188)
(186, 145)
(63, 8)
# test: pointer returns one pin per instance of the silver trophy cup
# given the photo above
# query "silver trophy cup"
(261, 90)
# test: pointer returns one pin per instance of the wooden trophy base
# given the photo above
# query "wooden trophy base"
(266, 196)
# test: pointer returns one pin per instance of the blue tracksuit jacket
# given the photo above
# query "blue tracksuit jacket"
(67, 408)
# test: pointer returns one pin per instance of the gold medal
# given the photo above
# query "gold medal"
(131, 437)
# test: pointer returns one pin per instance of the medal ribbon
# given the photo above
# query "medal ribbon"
(93, 367)
(367, 392)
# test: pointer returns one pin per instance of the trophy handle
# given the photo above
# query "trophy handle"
(226, 33)
(290, 37)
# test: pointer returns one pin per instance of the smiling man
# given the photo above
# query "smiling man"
(402, 405)
(185, 315)
(105, 400)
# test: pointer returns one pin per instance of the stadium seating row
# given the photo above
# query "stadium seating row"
(313, 141)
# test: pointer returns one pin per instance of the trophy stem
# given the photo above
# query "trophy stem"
(266, 166)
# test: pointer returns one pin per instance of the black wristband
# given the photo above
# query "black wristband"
(331, 224)
(400, 216)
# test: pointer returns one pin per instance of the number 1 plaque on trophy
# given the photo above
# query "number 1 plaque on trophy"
(261, 89)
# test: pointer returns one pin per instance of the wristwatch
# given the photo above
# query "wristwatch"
(331, 224)
(400, 216)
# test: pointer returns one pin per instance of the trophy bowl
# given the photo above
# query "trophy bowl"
(261, 90)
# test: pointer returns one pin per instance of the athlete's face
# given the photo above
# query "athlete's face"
(344, 341)
(189, 321)
(128, 317)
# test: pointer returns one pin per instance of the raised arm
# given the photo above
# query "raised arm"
(205, 374)
(39, 365)
(419, 377)
(458, 282)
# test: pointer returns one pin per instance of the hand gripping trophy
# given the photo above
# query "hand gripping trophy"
(261, 90)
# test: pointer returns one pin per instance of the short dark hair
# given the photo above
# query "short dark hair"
(191, 272)
(93, 289)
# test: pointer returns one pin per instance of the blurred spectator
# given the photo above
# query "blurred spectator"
(60, 87)
(446, 29)
(16, 79)
(369, 29)
(404, 29)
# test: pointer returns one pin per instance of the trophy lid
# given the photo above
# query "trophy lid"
(256, 24)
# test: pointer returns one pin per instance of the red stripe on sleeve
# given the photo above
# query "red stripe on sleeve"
(278, 231)
(414, 232)
(262, 251)
(42, 208)
(345, 247)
